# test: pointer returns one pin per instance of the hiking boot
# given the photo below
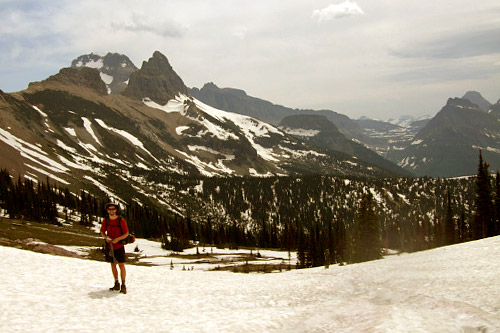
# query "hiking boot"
(123, 290)
(116, 286)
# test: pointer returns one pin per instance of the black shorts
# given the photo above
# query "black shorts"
(119, 255)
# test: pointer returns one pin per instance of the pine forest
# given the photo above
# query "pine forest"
(326, 219)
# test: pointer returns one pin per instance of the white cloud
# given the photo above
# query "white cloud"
(335, 11)
(138, 22)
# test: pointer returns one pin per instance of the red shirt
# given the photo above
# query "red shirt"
(112, 229)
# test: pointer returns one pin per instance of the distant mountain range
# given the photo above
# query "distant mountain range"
(82, 129)
(105, 125)
(449, 144)
(444, 146)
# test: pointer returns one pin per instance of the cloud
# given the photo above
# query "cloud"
(335, 11)
(453, 46)
(137, 22)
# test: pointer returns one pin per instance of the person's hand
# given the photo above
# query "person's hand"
(114, 241)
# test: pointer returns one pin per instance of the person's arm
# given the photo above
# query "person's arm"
(124, 227)
(103, 232)
(118, 239)
(106, 238)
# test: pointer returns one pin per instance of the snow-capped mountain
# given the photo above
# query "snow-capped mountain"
(394, 134)
(449, 144)
(238, 101)
(69, 129)
(393, 139)
(115, 69)
(321, 132)
(348, 136)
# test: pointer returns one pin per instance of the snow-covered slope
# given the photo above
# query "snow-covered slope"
(449, 289)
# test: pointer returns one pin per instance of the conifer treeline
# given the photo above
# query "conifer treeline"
(320, 216)
(25, 200)
(326, 219)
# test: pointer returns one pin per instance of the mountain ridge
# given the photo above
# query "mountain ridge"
(70, 129)
(156, 85)
(449, 145)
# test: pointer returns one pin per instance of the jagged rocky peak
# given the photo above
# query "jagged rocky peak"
(88, 78)
(460, 102)
(115, 69)
(156, 80)
(477, 99)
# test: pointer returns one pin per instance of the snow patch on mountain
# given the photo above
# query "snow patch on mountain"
(210, 150)
(43, 114)
(31, 152)
(173, 105)
(106, 190)
(71, 131)
(251, 128)
(131, 138)
(88, 126)
(205, 167)
(92, 63)
(106, 78)
(48, 174)
(300, 132)
(181, 129)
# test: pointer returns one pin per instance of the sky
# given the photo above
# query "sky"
(375, 58)
(448, 289)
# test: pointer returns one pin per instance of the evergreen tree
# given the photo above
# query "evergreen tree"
(366, 237)
(449, 222)
(483, 221)
(301, 251)
(496, 219)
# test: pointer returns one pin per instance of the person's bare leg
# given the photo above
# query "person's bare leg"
(123, 272)
(115, 275)
(115, 271)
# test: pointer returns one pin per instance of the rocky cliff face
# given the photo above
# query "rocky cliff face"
(156, 80)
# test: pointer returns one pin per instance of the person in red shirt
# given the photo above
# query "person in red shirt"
(114, 229)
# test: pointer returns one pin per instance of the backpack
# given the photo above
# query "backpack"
(129, 239)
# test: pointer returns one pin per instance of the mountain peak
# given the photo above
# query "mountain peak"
(114, 68)
(156, 80)
(67, 77)
(477, 99)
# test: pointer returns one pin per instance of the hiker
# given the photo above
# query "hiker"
(114, 229)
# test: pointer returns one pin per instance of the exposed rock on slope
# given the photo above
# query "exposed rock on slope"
(156, 80)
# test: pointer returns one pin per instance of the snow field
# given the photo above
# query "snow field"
(450, 289)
